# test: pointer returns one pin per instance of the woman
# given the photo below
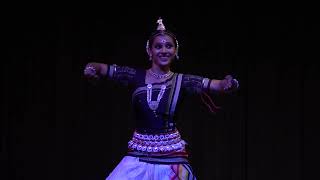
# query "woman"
(156, 150)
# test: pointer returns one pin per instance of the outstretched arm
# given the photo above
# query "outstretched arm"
(122, 75)
(193, 84)
(226, 85)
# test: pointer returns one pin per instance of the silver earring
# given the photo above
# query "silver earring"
(150, 58)
(177, 48)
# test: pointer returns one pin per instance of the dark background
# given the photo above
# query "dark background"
(56, 125)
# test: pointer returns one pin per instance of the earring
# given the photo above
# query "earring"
(150, 58)
(177, 48)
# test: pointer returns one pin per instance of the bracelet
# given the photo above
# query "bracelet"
(112, 69)
(205, 83)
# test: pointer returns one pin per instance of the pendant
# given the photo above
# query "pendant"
(153, 105)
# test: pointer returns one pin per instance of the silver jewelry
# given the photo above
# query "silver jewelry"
(205, 83)
(153, 105)
(147, 48)
(160, 76)
(237, 83)
(112, 71)
(177, 48)
(161, 26)
(156, 142)
(91, 69)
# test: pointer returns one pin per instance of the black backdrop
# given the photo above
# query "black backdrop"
(55, 125)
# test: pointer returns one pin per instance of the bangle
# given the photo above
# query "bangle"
(205, 83)
(112, 70)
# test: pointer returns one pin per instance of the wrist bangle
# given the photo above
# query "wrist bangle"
(205, 83)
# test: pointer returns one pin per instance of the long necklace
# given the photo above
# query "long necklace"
(153, 105)
(160, 76)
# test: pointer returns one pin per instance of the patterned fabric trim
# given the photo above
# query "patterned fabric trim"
(173, 160)
(175, 96)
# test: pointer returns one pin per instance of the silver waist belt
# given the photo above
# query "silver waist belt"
(164, 142)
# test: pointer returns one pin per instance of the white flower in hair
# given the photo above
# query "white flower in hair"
(160, 27)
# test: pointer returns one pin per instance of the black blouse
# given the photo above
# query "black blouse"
(147, 120)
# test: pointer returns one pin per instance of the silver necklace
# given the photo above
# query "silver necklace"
(153, 105)
(160, 76)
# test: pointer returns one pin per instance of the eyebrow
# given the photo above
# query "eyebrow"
(163, 43)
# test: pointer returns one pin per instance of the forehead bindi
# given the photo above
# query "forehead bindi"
(163, 39)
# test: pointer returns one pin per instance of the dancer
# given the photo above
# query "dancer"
(156, 150)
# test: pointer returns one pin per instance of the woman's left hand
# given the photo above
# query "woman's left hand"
(229, 84)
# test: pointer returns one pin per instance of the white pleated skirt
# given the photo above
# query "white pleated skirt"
(130, 168)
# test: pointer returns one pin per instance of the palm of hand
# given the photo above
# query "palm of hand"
(229, 84)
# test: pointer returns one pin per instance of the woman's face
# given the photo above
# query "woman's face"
(162, 50)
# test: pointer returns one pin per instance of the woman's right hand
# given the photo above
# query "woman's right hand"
(92, 71)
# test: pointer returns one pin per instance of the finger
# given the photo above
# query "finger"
(227, 86)
(88, 73)
(228, 82)
(236, 83)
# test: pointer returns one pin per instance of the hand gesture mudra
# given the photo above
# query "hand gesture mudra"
(91, 71)
(229, 84)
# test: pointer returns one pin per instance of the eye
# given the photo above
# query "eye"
(169, 46)
(158, 46)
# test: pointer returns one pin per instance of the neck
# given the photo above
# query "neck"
(160, 69)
